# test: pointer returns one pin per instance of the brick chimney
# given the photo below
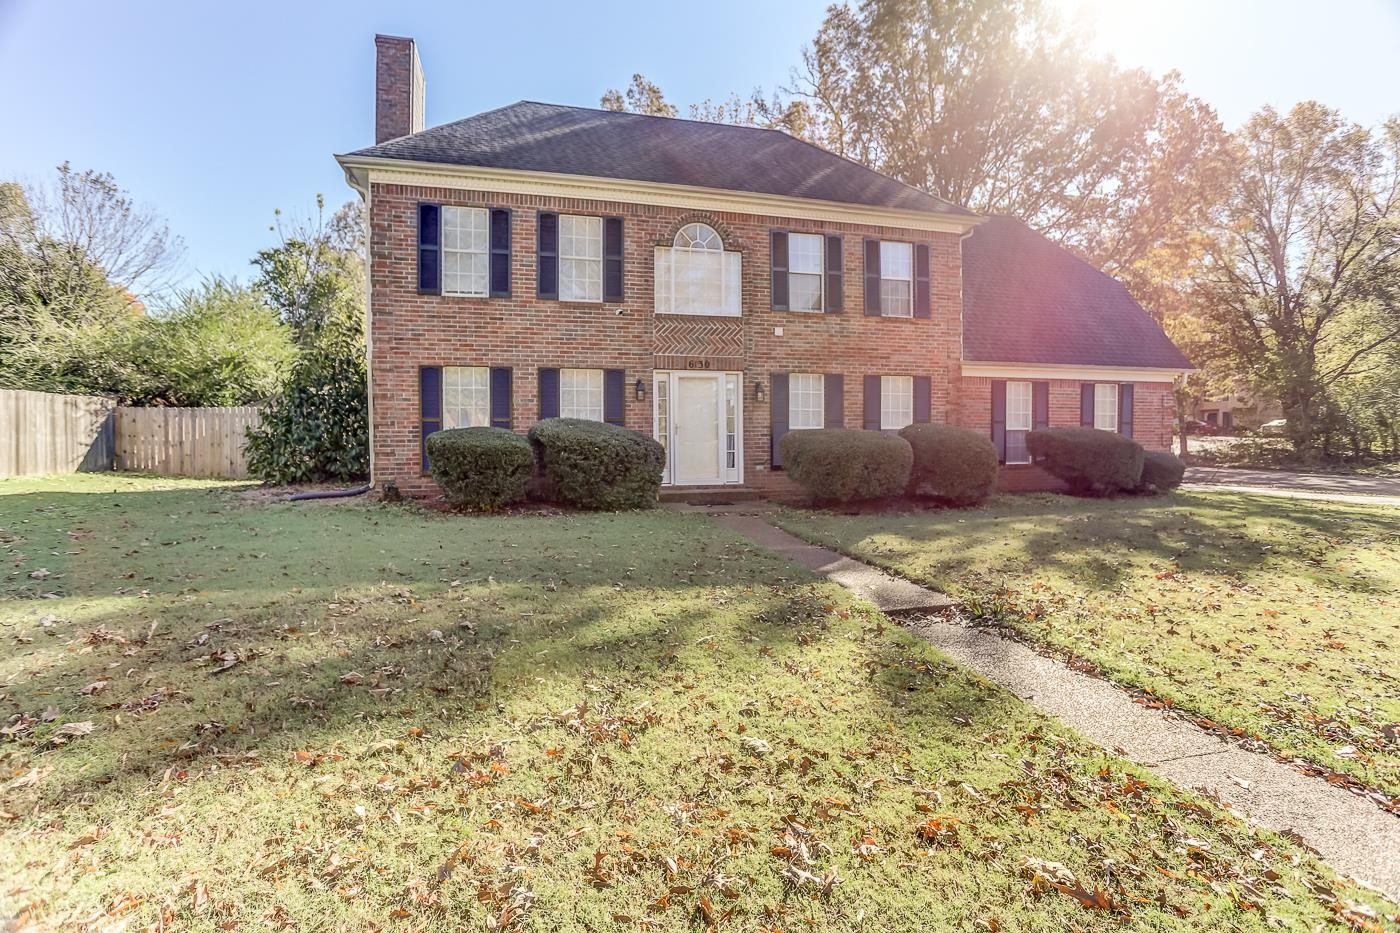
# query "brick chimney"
(398, 88)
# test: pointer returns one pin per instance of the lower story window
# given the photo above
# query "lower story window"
(581, 394)
(1106, 406)
(466, 397)
(896, 402)
(1018, 421)
(806, 401)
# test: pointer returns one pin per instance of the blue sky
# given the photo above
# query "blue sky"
(214, 114)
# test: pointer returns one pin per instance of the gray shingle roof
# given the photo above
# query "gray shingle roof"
(535, 137)
(1028, 300)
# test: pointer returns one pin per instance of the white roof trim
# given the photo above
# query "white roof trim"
(1071, 371)
(363, 171)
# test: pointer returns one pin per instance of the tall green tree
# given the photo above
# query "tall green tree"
(1301, 286)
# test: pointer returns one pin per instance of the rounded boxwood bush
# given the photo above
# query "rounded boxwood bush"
(845, 464)
(1161, 471)
(594, 465)
(480, 468)
(953, 465)
(1091, 462)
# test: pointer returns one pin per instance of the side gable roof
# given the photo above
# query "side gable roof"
(535, 137)
(1029, 300)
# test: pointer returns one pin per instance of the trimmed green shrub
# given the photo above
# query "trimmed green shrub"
(1161, 471)
(846, 464)
(594, 465)
(1091, 462)
(953, 465)
(480, 468)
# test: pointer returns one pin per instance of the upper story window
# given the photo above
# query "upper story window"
(580, 258)
(466, 397)
(896, 279)
(581, 394)
(696, 275)
(805, 271)
(806, 401)
(465, 251)
(1106, 406)
(896, 402)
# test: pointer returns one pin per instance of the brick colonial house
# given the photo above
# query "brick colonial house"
(713, 286)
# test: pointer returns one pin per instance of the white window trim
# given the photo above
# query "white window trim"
(1106, 413)
(885, 277)
(566, 257)
(664, 285)
(820, 273)
(819, 411)
(452, 378)
(484, 252)
(568, 410)
(1019, 420)
(887, 419)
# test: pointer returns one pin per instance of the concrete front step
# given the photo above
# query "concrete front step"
(709, 495)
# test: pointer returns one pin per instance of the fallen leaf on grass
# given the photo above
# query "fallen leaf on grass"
(70, 730)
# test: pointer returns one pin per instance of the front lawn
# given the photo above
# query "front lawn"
(1276, 617)
(224, 713)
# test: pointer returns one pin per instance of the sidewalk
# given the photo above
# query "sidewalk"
(1351, 833)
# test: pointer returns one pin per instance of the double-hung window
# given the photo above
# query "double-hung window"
(465, 251)
(466, 397)
(896, 402)
(580, 258)
(1106, 406)
(581, 394)
(896, 279)
(805, 271)
(806, 401)
(697, 275)
(1018, 421)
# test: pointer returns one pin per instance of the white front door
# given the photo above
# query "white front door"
(697, 418)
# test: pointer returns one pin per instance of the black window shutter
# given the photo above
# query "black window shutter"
(1086, 404)
(429, 249)
(612, 258)
(834, 402)
(500, 397)
(835, 275)
(549, 393)
(778, 416)
(614, 387)
(923, 399)
(1125, 409)
(500, 252)
(778, 256)
(429, 406)
(547, 255)
(923, 289)
(871, 419)
(872, 277)
(1040, 406)
(999, 418)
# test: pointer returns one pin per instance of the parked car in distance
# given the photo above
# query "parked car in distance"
(1276, 427)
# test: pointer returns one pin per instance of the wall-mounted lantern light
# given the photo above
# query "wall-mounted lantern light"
(641, 391)
(758, 391)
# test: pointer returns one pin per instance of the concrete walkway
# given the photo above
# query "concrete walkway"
(1376, 490)
(1352, 834)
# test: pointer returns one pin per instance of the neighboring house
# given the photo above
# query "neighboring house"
(714, 286)
(1239, 411)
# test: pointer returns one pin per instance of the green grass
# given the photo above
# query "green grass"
(347, 716)
(1278, 618)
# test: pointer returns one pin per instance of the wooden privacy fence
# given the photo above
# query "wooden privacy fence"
(184, 441)
(45, 433)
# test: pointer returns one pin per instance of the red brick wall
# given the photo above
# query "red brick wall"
(398, 89)
(409, 330)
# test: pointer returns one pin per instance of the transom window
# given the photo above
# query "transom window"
(805, 271)
(896, 279)
(1106, 406)
(696, 275)
(1018, 421)
(581, 393)
(580, 258)
(806, 401)
(465, 242)
(466, 397)
(896, 402)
